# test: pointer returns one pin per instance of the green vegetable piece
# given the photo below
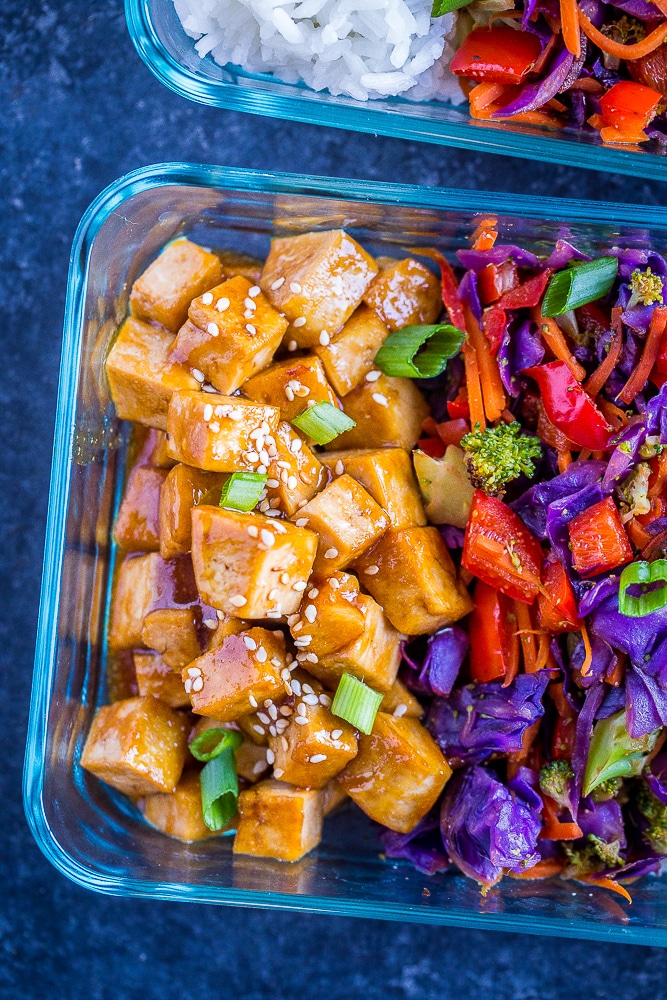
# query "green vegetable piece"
(323, 422)
(646, 288)
(577, 285)
(419, 351)
(498, 455)
(554, 780)
(219, 790)
(441, 7)
(614, 753)
(655, 811)
(355, 702)
(643, 574)
(242, 490)
(212, 742)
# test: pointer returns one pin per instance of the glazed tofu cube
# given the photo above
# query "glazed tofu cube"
(332, 796)
(166, 288)
(250, 564)
(234, 262)
(137, 526)
(120, 675)
(411, 574)
(151, 447)
(388, 413)
(310, 753)
(397, 774)
(332, 613)
(232, 332)
(251, 762)
(404, 293)
(156, 678)
(295, 474)
(349, 355)
(291, 386)
(138, 746)
(141, 378)
(347, 520)
(388, 476)
(224, 682)
(217, 433)
(278, 821)
(226, 625)
(399, 701)
(317, 280)
(172, 632)
(374, 657)
(179, 814)
(183, 489)
(147, 583)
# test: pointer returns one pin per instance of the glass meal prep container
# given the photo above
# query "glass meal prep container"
(170, 54)
(87, 830)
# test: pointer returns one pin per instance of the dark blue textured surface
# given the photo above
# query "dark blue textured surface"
(77, 109)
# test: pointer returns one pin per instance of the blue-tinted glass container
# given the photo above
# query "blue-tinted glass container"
(170, 54)
(94, 835)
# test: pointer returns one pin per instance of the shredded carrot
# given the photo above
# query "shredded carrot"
(542, 651)
(588, 659)
(532, 118)
(613, 414)
(598, 456)
(491, 384)
(570, 27)
(587, 83)
(483, 96)
(553, 337)
(606, 883)
(661, 5)
(653, 544)
(564, 459)
(639, 377)
(555, 105)
(485, 234)
(584, 455)
(638, 535)
(526, 633)
(475, 402)
(553, 828)
(634, 50)
(596, 381)
(617, 674)
(546, 868)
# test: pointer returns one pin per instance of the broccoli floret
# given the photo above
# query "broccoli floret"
(655, 812)
(606, 790)
(594, 856)
(646, 288)
(499, 454)
(633, 493)
(554, 780)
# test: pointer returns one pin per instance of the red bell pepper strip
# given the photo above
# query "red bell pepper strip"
(497, 55)
(494, 325)
(451, 431)
(450, 286)
(598, 540)
(565, 730)
(569, 407)
(494, 280)
(556, 604)
(492, 629)
(431, 446)
(627, 108)
(459, 408)
(500, 550)
(524, 296)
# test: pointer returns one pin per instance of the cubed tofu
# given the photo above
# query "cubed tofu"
(156, 678)
(166, 288)
(141, 378)
(121, 678)
(224, 682)
(335, 609)
(349, 355)
(310, 753)
(374, 657)
(137, 526)
(226, 625)
(250, 564)
(317, 280)
(147, 583)
(138, 746)
(411, 574)
(295, 474)
(405, 293)
(234, 262)
(347, 520)
(213, 432)
(251, 762)
(172, 632)
(151, 447)
(231, 333)
(333, 796)
(388, 476)
(291, 386)
(397, 774)
(278, 821)
(183, 489)
(399, 701)
(388, 413)
(179, 814)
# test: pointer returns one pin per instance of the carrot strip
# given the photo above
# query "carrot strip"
(640, 537)
(542, 651)
(570, 27)
(546, 868)
(613, 414)
(606, 883)
(450, 286)
(587, 83)
(588, 659)
(596, 381)
(491, 384)
(485, 234)
(553, 337)
(473, 385)
(617, 674)
(553, 828)
(634, 50)
(584, 455)
(526, 634)
(564, 459)
(661, 5)
(639, 377)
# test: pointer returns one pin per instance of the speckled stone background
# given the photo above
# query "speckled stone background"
(77, 109)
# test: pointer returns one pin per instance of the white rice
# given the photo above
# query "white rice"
(360, 48)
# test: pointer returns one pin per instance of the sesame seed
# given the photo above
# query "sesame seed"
(292, 345)
(325, 339)
(285, 709)
(331, 553)
(258, 767)
(278, 283)
(318, 758)
(283, 465)
(197, 683)
(238, 600)
(274, 613)
(302, 391)
(270, 757)
(281, 725)
(296, 446)
(325, 700)
(381, 399)
(252, 330)
(249, 642)
(292, 482)
(285, 674)
(253, 530)
(252, 700)
(300, 720)
(292, 619)
(296, 687)
(307, 689)
(278, 771)
(263, 717)
(284, 577)
(373, 375)
(209, 388)
(311, 699)
(213, 329)
(210, 622)
(274, 594)
(267, 537)
(311, 613)
(207, 298)
(299, 321)
(254, 291)
(334, 583)
(194, 672)
(221, 615)
(312, 658)
(263, 456)
(188, 686)
(196, 373)
(336, 734)
(339, 468)
(208, 412)
(272, 483)
(297, 627)
(299, 586)
(301, 503)
(303, 640)
(214, 426)
(259, 729)
(248, 314)
(222, 304)
(261, 469)
(295, 287)
(372, 570)
(273, 712)
(400, 710)
(249, 304)
(289, 392)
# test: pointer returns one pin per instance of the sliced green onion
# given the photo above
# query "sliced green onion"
(212, 742)
(243, 490)
(441, 7)
(577, 285)
(355, 702)
(219, 790)
(323, 422)
(401, 355)
(614, 753)
(643, 574)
